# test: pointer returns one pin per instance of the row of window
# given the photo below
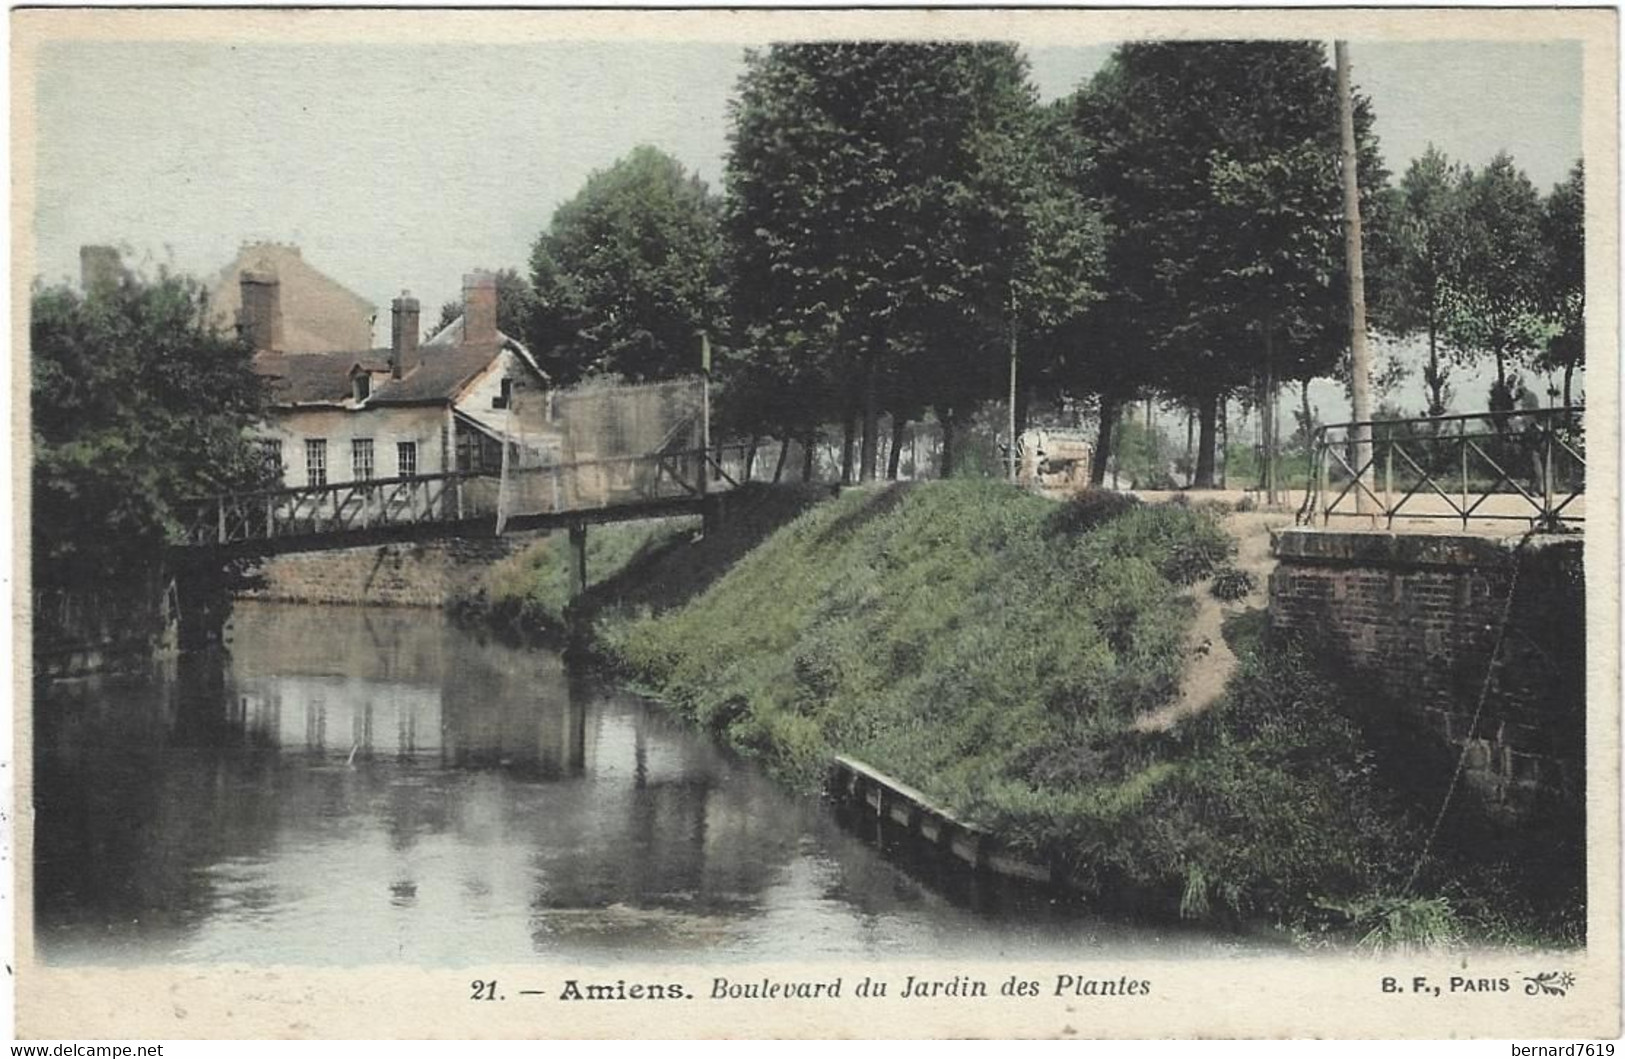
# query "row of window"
(361, 460)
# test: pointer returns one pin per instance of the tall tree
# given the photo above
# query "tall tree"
(627, 273)
(138, 405)
(1430, 236)
(1496, 306)
(1564, 292)
(1219, 165)
(874, 212)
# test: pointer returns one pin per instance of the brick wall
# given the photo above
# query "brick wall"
(417, 574)
(1416, 618)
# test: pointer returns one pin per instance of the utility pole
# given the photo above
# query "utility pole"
(1361, 367)
(705, 411)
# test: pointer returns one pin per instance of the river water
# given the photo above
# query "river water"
(356, 785)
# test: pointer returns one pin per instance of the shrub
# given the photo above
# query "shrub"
(1231, 584)
(1193, 559)
(1091, 508)
(1385, 922)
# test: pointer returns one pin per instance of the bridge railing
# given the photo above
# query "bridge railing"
(338, 507)
(458, 496)
(1526, 466)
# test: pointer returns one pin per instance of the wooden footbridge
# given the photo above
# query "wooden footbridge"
(458, 504)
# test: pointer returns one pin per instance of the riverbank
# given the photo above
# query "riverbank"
(994, 651)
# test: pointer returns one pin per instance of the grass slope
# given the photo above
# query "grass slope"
(993, 650)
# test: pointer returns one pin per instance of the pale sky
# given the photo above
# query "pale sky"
(403, 166)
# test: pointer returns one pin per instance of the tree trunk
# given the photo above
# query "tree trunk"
(1506, 400)
(809, 454)
(947, 422)
(1271, 434)
(898, 425)
(750, 456)
(871, 417)
(1267, 424)
(1190, 446)
(1434, 380)
(1208, 418)
(1568, 381)
(1103, 440)
(849, 428)
(1308, 438)
(1224, 428)
(778, 466)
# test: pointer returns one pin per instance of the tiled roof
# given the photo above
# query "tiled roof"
(324, 378)
(311, 378)
(440, 373)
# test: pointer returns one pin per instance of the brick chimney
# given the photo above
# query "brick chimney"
(403, 340)
(260, 319)
(99, 268)
(480, 307)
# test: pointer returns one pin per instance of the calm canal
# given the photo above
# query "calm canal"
(368, 785)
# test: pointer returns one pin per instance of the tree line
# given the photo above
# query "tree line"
(900, 221)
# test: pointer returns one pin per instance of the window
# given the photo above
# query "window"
(361, 459)
(360, 386)
(316, 461)
(406, 459)
(505, 398)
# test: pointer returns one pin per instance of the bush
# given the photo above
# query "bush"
(1192, 560)
(1401, 923)
(1231, 584)
(1090, 508)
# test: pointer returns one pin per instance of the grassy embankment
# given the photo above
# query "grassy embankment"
(993, 650)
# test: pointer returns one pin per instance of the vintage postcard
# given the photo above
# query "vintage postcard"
(771, 523)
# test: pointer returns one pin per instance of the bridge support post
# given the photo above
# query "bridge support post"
(712, 513)
(578, 559)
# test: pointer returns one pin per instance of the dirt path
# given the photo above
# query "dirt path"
(1211, 660)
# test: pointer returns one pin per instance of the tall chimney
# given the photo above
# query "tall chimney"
(479, 307)
(403, 340)
(261, 316)
(99, 268)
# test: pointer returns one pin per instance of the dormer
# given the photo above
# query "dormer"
(363, 380)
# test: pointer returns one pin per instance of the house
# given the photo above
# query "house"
(316, 314)
(407, 410)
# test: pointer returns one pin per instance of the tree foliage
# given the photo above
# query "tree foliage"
(1219, 165)
(1564, 293)
(628, 273)
(137, 405)
(887, 210)
(1497, 306)
(1427, 264)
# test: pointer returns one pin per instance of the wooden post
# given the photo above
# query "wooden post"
(1388, 476)
(578, 559)
(1464, 474)
(220, 512)
(1549, 494)
(1361, 368)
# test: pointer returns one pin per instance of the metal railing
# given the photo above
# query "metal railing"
(453, 497)
(1526, 466)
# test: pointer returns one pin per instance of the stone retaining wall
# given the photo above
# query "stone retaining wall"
(413, 574)
(1419, 616)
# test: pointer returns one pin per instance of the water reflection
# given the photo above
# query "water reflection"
(357, 785)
